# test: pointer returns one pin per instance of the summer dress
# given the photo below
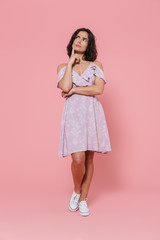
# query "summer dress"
(83, 124)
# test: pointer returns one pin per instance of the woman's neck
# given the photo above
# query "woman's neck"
(81, 56)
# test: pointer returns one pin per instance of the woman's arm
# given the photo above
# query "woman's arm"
(95, 89)
(66, 82)
(92, 90)
(88, 90)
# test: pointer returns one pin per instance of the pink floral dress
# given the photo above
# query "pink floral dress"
(83, 124)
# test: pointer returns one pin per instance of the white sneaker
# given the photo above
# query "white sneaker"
(74, 201)
(83, 209)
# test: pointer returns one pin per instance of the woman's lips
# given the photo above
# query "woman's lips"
(78, 45)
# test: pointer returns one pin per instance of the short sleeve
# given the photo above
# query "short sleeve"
(60, 75)
(99, 73)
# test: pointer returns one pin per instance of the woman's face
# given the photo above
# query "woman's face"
(80, 43)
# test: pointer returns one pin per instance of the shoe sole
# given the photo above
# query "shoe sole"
(84, 214)
(71, 209)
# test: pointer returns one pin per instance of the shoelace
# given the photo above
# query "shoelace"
(76, 198)
(84, 203)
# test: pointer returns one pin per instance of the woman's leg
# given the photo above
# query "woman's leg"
(78, 169)
(88, 175)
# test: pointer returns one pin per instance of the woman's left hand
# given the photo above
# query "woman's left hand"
(64, 94)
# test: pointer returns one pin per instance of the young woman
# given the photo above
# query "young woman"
(83, 126)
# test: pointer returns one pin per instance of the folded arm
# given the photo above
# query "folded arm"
(95, 89)
(92, 90)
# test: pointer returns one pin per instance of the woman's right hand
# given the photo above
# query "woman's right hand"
(74, 58)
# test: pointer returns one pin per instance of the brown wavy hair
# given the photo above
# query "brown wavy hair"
(91, 51)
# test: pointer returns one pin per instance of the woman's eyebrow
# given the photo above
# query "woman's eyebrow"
(83, 37)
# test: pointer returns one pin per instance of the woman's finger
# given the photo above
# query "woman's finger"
(72, 50)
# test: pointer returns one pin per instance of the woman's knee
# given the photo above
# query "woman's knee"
(78, 158)
(89, 161)
(89, 157)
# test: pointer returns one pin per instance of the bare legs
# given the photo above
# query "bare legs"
(82, 171)
(78, 169)
(88, 175)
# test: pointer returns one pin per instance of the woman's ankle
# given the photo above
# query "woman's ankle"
(82, 198)
(77, 190)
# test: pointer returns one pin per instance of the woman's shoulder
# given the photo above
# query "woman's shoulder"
(99, 64)
(60, 66)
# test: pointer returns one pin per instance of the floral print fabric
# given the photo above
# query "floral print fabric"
(83, 124)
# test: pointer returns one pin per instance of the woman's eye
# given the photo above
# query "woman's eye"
(83, 39)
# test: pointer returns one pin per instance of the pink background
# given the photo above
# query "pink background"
(35, 184)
